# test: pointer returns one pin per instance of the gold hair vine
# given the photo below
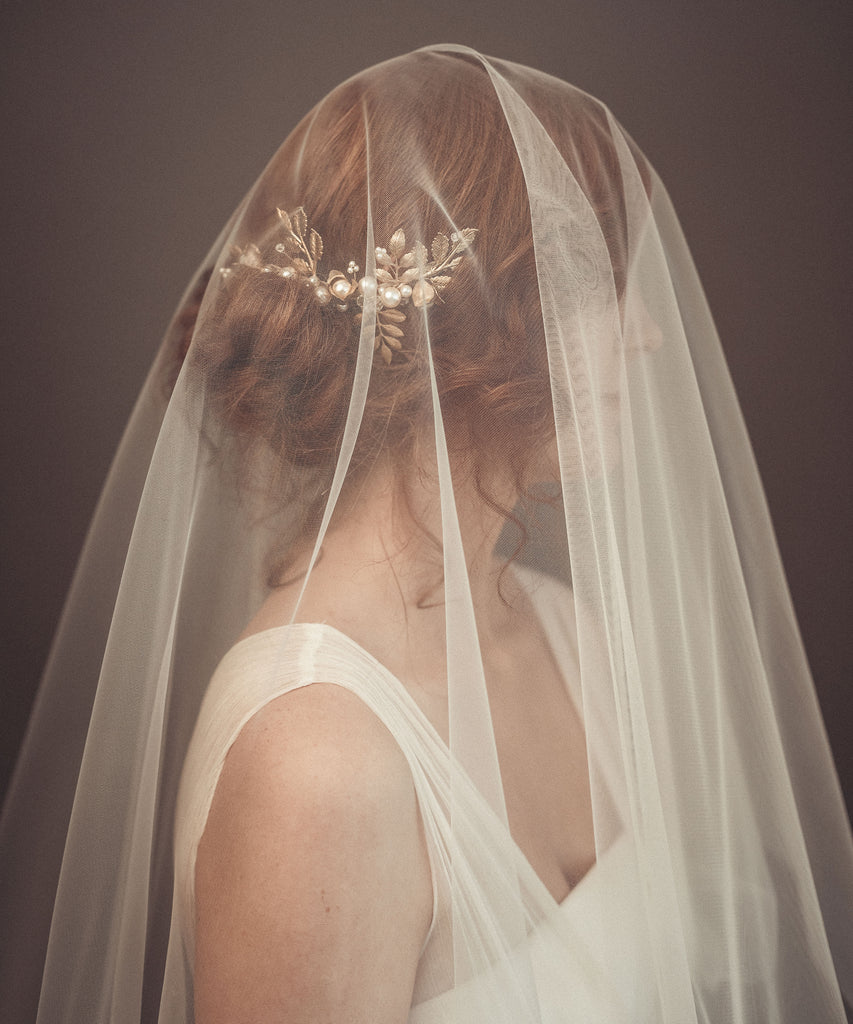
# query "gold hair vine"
(401, 276)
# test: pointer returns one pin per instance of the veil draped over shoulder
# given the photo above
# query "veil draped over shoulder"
(448, 379)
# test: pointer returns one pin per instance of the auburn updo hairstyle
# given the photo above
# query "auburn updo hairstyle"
(421, 144)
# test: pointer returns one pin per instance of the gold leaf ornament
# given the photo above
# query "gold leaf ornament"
(397, 245)
(400, 277)
(316, 245)
(285, 219)
(299, 221)
(440, 247)
(422, 294)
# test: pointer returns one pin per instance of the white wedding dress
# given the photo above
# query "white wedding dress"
(588, 960)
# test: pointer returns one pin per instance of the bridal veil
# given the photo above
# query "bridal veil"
(465, 273)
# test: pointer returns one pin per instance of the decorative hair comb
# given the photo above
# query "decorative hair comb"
(401, 276)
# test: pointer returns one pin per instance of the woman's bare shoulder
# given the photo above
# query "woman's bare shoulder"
(321, 741)
(313, 887)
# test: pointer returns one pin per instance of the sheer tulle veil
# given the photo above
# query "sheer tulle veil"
(462, 277)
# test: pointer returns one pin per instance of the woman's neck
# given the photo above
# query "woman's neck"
(385, 542)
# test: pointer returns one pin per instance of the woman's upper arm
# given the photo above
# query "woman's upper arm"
(313, 888)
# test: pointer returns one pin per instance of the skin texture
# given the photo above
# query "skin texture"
(313, 886)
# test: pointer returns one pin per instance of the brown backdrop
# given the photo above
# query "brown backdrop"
(130, 132)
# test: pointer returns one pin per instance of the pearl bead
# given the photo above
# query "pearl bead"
(367, 286)
(391, 296)
(340, 288)
(313, 280)
(287, 272)
(406, 291)
(323, 294)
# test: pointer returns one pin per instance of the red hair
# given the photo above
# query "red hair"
(280, 366)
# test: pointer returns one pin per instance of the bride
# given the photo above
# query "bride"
(430, 658)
